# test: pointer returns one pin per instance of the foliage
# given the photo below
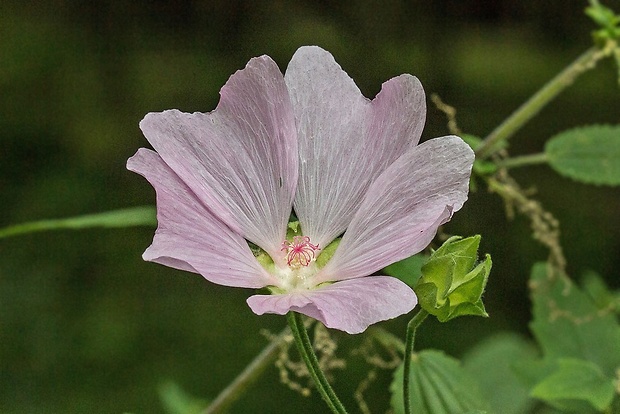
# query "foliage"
(408, 270)
(587, 154)
(178, 401)
(501, 386)
(579, 342)
(439, 385)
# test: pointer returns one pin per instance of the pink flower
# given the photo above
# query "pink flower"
(308, 141)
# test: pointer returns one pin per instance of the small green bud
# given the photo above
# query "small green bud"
(452, 282)
(606, 19)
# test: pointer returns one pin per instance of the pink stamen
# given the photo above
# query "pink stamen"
(299, 252)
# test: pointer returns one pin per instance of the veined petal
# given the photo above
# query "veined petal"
(345, 140)
(395, 123)
(403, 208)
(241, 159)
(349, 305)
(189, 237)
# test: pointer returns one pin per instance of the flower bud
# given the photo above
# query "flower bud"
(452, 281)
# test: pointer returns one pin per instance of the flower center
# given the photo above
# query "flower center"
(299, 252)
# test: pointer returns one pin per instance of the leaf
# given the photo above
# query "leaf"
(408, 270)
(127, 217)
(567, 324)
(588, 154)
(473, 141)
(574, 382)
(531, 372)
(595, 287)
(501, 386)
(178, 401)
(607, 19)
(439, 385)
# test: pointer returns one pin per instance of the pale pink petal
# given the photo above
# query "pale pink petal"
(189, 236)
(403, 208)
(395, 123)
(345, 140)
(349, 305)
(241, 159)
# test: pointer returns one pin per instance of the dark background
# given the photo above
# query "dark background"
(87, 326)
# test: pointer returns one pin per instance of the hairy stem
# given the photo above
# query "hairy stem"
(523, 160)
(412, 326)
(541, 98)
(312, 363)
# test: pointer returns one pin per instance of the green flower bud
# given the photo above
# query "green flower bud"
(452, 282)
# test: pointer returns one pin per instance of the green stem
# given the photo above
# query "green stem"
(541, 98)
(524, 160)
(409, 341)
(248, 376)
(304, 346)
(126, 217)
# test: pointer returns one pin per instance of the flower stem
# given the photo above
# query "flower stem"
(412, 326)
(523, 160)
(304, 346)
(541, 98)
(249, 375)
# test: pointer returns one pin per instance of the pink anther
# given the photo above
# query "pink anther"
(299, 252)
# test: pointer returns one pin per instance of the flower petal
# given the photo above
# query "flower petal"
(189, 237)
(241, 159)
(345, 140)
(349, 305)
(403, 208)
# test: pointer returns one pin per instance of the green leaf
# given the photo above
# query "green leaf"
(178, 401)
(408, 270)
(595, 287)
(531, 372)
(567, 324)
(574, 382)
(606, 19)
(501, 386)
(484, 168)
(473, 141)
(439, 385)
(127, 217)
(452, 283)
(588, 154)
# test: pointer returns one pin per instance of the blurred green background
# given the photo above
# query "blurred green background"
(87, 326)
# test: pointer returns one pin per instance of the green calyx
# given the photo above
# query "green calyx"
(327, 253)
(452, 281)
(261, 256)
